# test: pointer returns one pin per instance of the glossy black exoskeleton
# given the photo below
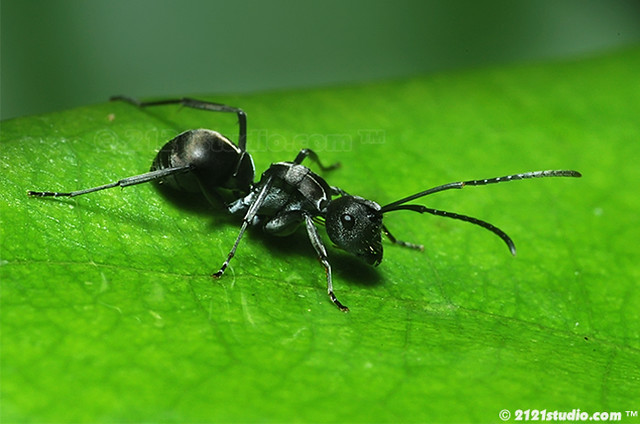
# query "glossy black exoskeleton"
(289, 195)
(194, 161)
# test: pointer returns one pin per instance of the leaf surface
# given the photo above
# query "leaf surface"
(109, 312)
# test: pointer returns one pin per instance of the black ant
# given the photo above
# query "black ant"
(289, 194)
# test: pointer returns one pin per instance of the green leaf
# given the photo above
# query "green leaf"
(109, 312)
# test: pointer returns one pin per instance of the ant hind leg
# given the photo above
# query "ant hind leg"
(137, 179)
(198, 104)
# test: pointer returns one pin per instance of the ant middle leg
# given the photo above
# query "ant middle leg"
(246, 221)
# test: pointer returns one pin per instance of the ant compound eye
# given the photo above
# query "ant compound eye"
(347, 221)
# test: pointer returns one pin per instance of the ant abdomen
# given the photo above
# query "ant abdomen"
(196, 161)
(214, 162)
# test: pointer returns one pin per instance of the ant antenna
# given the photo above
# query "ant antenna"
(400, 204)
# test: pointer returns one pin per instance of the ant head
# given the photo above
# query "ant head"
(354, 224)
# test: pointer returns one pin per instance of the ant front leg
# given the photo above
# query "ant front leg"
(406, 244)
(337, 191)
(322, 256)
(313, 156)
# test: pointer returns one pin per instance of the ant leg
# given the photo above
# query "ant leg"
(394, 240)
(137, 179)
(202, 105)
(322, 256)
(337, 191)
(248, 218)
(232, 253)
(304, 153)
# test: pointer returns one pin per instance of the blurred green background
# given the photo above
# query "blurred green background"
(63, 53)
